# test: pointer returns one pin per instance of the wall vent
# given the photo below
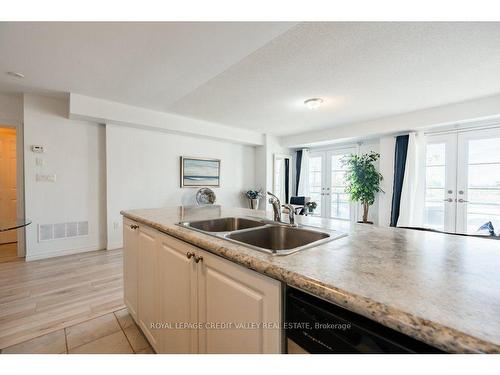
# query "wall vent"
(50, 232)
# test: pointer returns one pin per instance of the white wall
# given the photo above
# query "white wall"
(11, 109)
(75, 152)
(143, 171)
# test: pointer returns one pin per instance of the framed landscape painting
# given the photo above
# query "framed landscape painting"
(197, 172)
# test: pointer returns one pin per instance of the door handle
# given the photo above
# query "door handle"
(198, 259)
(448, 200)
(462, 200)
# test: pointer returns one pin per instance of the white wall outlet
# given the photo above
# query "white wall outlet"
(38, 149)
(39, 162)
(46, 177)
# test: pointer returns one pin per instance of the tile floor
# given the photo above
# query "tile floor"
(113, 333)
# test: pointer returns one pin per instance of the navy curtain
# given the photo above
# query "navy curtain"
(287, 179)
(399, 173)
(297, 171)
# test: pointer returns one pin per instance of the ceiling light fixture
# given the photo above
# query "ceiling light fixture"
(16, 74)
(313, 103)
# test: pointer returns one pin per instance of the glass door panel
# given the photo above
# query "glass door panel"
(435, 178)
(327, 183)
(478, 184)
(316, 172)
(340, 207)
(440, 183)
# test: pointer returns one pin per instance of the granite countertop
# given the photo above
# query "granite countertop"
(438, 288)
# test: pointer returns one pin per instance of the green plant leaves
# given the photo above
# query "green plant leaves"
(363, 180)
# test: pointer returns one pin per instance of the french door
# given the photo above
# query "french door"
(463, 181)
(327, 184)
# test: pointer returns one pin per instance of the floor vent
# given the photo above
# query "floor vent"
(50, 232)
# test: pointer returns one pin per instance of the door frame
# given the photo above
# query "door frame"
(21, 232)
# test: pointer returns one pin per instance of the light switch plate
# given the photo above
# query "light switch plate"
(38, 149)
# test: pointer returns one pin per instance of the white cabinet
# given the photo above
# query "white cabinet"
(187, 300)
(178, 299)
(246, 304)
(215, 306)
(148, 286)
(130, 265)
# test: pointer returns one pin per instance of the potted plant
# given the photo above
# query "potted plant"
(363, 180)
(311, 206)
(253, 198)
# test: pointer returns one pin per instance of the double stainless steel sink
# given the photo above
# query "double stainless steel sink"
(264, 235)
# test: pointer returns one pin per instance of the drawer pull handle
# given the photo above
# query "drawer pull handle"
(189, 255)
(198, 259)
(133, 226)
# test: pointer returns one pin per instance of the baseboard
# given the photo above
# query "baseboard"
(59, 253)
(114, 246)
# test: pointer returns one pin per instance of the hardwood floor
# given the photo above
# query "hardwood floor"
(44, 296)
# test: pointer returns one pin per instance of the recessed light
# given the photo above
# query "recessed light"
(16, 74)
(313, 103)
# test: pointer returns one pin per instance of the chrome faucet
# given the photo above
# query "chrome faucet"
(275, 202)
(291, 214)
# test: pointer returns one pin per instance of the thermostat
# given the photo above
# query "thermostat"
(38, 149)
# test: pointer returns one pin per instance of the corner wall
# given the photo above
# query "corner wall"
(74, 153)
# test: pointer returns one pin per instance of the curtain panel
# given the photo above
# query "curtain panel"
(399, 172)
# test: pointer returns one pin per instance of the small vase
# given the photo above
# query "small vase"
(254, 203)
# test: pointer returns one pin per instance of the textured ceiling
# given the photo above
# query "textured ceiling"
(362, 70)
(257, 75)
(144, 64)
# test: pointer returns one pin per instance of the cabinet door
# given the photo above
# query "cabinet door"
(148, 284)
(178, 299)
(247, 302)
(130, 267)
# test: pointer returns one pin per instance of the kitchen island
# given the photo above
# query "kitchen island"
(440, 289)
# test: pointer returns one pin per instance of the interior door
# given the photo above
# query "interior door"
(8, 200)
(478, 180)
(440, 182)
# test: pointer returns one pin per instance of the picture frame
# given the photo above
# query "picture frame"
(198, 172)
